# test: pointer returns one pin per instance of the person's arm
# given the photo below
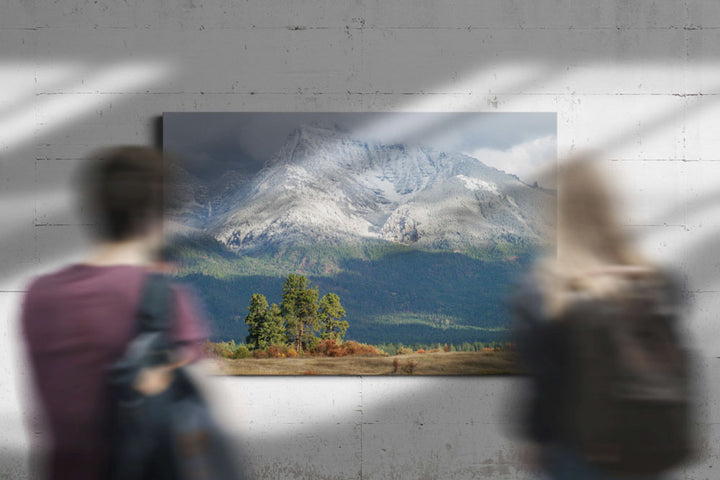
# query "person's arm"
(190, 327)
(188, 332)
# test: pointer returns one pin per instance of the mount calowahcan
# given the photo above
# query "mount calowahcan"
(419, 244)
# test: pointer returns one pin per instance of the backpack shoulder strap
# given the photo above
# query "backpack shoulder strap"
(154, 312)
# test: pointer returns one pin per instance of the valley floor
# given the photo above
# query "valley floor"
(442, 363)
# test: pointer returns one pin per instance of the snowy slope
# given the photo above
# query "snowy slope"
(323, 186)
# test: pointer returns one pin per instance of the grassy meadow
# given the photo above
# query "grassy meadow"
(485, 362)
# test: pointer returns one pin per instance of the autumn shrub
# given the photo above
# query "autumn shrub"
(259, 353)
(370, 350)
(276, 351)
(355, 348)
(291, 352)
(331, 348)
(241, 352)
(420, 350)
(447, 348)
(404, 351)
(324, 347)
(225, 350)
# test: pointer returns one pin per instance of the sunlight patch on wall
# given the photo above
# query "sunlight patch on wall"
(54, 108)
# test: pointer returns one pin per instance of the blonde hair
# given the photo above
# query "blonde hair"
(593, 256)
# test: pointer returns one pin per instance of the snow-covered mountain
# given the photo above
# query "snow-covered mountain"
(324, 186)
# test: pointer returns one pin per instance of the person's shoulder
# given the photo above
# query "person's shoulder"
(41, 282)
(36, 283)
(84, 278)
(42, 292)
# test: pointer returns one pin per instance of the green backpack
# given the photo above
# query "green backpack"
(628, 410)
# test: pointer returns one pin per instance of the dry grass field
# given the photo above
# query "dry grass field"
(440, 363)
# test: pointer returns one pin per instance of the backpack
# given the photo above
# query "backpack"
(628, 405)
(169, 436)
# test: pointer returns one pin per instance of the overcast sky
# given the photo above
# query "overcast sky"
(517, 143)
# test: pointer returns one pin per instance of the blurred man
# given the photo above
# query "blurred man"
(79, 320)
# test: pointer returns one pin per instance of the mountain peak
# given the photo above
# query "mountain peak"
(308, 138)
(325, 185)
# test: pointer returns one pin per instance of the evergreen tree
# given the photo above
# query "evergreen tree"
(299, 308)
(255, 319)
(330, 312)
(265, 324)
(273, 331)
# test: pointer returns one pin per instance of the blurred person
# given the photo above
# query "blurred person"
(79, 320)
(596, 331)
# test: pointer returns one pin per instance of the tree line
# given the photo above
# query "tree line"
(302, 319)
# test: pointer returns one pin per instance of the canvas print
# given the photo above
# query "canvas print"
(358, 243)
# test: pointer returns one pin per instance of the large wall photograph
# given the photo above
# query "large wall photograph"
(358, 243)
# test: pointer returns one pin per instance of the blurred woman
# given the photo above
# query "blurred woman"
(596, 334)
(77, 321)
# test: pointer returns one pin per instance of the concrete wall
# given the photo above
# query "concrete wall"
(638, 80)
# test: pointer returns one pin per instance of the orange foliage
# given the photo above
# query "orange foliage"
(330, 348)
(325, 347)
(275, 351)
(355, 348)
(259, 353)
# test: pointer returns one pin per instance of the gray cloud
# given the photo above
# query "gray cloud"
(212, 142)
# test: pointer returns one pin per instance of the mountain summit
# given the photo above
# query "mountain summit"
(324, 186)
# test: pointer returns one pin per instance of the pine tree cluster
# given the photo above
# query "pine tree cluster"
(302, 319)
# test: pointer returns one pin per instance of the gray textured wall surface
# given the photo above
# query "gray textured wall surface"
(637, 80)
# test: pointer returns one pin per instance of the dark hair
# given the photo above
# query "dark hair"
(122, 191)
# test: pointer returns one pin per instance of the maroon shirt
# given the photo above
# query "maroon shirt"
(76, 323)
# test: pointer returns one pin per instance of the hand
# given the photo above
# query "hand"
(154, 380)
